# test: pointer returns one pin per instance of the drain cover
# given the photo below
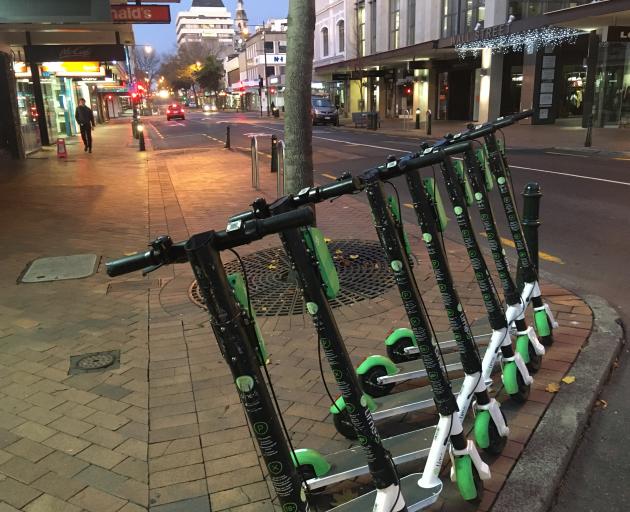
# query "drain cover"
(94, 362)
(59, 268)
(361, 265)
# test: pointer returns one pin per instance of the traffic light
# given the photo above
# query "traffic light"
(272, 90)
(408, 90)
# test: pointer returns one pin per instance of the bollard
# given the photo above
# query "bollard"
(227, 138)
(134, 128)
(417, 119)
(530, 221)
(589, 132)
(429, 122)
(141, 144)
(274, 153)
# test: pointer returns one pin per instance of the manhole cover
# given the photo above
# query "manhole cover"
(59, 268)
(361, 264)
(94, 362)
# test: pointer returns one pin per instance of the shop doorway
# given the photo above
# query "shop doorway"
(456, 91)
(571, 92)
(512, 83)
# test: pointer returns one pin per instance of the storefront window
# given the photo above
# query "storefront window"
(525, 8)
(28, 115)
(461, 16)
(612, 94)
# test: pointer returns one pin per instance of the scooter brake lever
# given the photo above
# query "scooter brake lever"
(150, 269)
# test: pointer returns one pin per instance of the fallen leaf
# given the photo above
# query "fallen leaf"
(272, 267)
(552, 388)
(338, 251)
(602, 403)
(327, 240)
(569, 379)
(354, 256)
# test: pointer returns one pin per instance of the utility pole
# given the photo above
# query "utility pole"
(266, 77)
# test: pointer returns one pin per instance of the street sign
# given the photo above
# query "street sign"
(141, 13)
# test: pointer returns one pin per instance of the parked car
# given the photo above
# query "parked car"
(175, 111)
(323, 111)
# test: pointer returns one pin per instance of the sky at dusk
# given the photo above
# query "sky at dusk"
(162, 37)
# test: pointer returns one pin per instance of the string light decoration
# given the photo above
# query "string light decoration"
(531, 40)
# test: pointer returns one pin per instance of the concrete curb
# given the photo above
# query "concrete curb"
(533, 482)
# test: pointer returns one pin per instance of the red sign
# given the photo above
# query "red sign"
(141, 13)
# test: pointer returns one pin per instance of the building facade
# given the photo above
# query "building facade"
(206, 21)
(477, 59)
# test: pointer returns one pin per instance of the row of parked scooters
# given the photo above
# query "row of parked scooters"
(469, 173)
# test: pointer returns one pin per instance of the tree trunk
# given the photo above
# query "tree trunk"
(298, 124)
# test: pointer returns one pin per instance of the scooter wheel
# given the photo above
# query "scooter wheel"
(396, 351)
(544, 328)
(343, 425)
(487, 435)
(528, 353)
(514, 383)
(369, 382)
(468, 481)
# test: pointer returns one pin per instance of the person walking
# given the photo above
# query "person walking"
(85, 118)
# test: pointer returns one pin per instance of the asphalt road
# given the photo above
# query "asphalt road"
(585, 235)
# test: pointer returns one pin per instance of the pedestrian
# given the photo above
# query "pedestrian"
(85, 118)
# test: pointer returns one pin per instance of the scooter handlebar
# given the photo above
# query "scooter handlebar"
(502, 122)
(131, 263)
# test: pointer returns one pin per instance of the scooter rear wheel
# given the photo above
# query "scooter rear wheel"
(396, 351)
(344, 426)
(369, 382)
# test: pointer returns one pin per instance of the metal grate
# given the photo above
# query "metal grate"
(94, 362)
(361, 265)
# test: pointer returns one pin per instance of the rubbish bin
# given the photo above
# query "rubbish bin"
(372, 120)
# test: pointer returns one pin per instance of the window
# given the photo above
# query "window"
(325, 42)
(394, 24)
(269, 46)
(282, 47)
(461, 16)
(360, 6)
(411, 28)
(271, 71)
(373, 27)
(341, 35)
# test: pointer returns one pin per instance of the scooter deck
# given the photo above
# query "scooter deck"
(415, 369)
(416, 497)
(351, 463)
(416, 399)
(481, 331)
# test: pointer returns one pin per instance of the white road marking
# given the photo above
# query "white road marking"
(571, 175)
(565, 154)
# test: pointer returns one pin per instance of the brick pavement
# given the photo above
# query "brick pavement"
(165, 432)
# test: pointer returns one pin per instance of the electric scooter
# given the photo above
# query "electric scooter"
(232, 329)
(497, 163)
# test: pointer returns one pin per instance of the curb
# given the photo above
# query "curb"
(533, 482)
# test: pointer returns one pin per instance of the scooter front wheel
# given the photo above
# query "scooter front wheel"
(514, 384)
(468, 481)
(344, 426)
(544, 327)
(528, 353)
(487, 435)
(370, 385)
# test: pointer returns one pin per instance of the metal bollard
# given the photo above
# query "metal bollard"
(134, 128)
(429, 115)
(274, 153)
(589, 132)
(141, 143)
(227, 138)
(417, 119)
(530, 221)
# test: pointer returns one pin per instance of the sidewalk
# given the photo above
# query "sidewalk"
(165, 431)
(522, 135)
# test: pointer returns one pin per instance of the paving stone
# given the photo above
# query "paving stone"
(48, 503)
(100, 478)
(133, 468)
(134, 448)
(131, 507)
(106, 405)
(97, 501)
(59, 486)
(178, 492)
(177, 475)
(104, 437)
(176, 460)
(74, 410)
(109, 391)
(34, 431)
(173, 421)
(168, 434)
(62, 464)
(71, 426)
(22, 470)
(29, 450)
(175, 446)
(244, 460)
(40, 415)
(45, 400)
(230, 498)
(16, 493)
(7, 438)
(9, 421)
(5, 507)
(134, 491)
(66, 443)
(101, 456)
(200, 504)
(227, 480)
(110, 421)
(136, 430)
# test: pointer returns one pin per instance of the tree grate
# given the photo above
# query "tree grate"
(361, 264)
